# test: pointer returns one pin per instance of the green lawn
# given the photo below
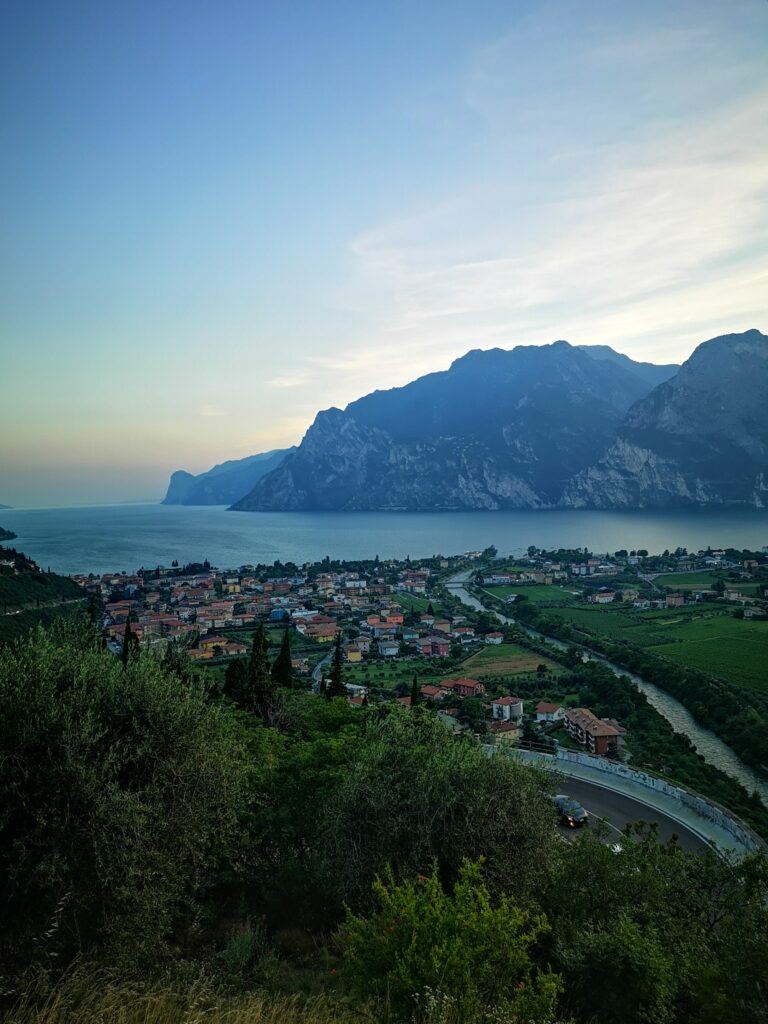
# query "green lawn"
(541, 593)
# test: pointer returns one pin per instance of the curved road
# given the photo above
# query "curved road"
(619, 809)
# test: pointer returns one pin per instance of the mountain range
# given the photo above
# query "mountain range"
(549, 426)
(225, 483)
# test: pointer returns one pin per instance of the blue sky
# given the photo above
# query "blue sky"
(218, 218)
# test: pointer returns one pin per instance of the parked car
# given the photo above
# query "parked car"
(570, 811)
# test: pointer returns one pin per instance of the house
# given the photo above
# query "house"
(404, 701)
(494, 638)
(591, 732)
(434, 646)
(435, 693)
(674, 600)
(211, 642)
(389, 648)
(353, 653)
(507, 709)
(602, 596)
(442, 626)
(464, 687)
(504, 731)
(363, 643)
(546, 712)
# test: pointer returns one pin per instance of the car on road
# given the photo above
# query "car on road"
(570, 811)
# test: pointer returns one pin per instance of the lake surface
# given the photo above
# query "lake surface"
(112, 538)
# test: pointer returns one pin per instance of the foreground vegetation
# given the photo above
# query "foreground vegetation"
(174, 851)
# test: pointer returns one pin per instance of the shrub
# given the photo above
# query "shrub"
(437, 954)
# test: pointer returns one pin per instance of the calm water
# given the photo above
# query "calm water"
(125, 537)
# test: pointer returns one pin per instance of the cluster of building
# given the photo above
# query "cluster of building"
(165, 605)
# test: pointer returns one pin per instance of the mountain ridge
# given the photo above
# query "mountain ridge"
(498, 429)
(225, 482)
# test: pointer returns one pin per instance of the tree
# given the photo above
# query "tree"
(411, 793)
(430, 609)
(236, 680)
(336, 687)
(262, 697)
(415, 695)
(122, 793)
(282, 668)
(130, 643)
(457, 952)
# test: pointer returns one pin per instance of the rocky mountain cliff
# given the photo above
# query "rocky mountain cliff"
(700, 438)
(224, 483)
(499, 429)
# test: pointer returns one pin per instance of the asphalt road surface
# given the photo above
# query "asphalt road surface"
(619, 809)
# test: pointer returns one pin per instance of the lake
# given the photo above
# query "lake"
(112, 538)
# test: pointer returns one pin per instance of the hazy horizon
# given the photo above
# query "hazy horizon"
(220, 220)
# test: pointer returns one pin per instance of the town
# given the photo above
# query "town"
(403, 635)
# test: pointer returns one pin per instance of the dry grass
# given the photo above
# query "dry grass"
(88, 999)
(504, 660)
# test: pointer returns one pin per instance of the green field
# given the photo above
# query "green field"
(412, 601)
(734, 649)
(687, 581)
(711, 640)
(503, 660)
(541, 593)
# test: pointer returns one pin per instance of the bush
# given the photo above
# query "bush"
(121, 798)
(429, 952)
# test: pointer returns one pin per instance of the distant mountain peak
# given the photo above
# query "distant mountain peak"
(225, 483)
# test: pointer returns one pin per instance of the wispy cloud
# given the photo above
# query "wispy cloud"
(286, 382)
(632, 215)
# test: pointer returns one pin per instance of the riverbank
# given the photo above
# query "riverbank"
(710, 748)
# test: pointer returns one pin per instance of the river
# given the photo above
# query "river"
(710, 746)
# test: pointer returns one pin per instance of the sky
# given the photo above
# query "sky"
(218, 218)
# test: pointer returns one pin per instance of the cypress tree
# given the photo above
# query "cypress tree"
(282, 669)
(415, 695)
(430, 609)
(130, 643)
(236, 682)
(263, 698)
(336, 687)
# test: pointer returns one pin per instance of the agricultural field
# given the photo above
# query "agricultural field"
(620, 622)
(541, 593)
(687, 581)
(711, 640)
(734, 649)
(413, 602)
(386, 675)
(503, 660)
